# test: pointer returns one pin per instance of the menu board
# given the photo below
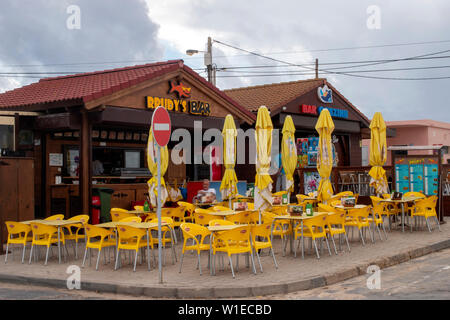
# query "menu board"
(417, 174)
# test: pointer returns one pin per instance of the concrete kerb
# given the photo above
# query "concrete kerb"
(235, 292)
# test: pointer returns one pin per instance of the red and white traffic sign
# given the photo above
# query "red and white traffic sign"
(161, 126)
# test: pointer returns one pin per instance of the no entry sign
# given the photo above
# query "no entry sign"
(161, 126)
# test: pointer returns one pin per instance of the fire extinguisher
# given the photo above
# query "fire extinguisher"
(95, 210)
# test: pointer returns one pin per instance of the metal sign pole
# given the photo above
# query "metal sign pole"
(158, 212)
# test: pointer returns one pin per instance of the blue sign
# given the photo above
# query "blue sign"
(337, 113)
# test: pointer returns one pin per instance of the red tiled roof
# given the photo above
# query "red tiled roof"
(273, 96)
(85, 87)
(276, 95)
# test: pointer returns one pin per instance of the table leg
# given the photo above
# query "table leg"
(59, 244)
(303, 245)
(148, 250)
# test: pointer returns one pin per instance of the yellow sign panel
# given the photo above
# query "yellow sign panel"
(186, 106)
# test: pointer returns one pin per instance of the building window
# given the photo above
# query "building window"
(6, 137)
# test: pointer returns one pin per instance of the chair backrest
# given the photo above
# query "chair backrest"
(140, 208)
(386, 196)
(94, 231)
(261, 230)
(220, 222)
(55, 217)
(301, 197)
(279, 193)
(17, 227)
(243, 217)
(250, 205)
(189, 207)
(344, 194)
(360, 214)
(192, 230)
(267, 216)
(279, 210)
(239, 236)
(375, 200)
(177, 213)
(81, 217)
(337, 218)
(202, 216)
(318, 221)
(42, 229)
(131, 219)
(167, 220)
(326, 208)
(426, 203)
(118, 214)
(414, 194)
(126, 233)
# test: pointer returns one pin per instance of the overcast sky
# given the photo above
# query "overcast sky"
(35, 37)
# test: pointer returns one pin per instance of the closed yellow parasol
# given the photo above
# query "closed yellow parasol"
(378, 154)
(153, 167)
(228, 187)
(325, 127)
(263, 138)
(289, 152)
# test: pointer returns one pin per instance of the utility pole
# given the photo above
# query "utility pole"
(317, 68)
(208, 62)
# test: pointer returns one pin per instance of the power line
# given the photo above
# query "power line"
(335, 72)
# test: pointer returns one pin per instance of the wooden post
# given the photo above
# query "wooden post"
(85, 172)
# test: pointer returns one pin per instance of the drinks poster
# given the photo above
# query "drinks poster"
(417, 174)
(311, 181)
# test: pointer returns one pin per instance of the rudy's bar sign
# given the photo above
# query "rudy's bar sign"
(179, 105)
(311, 109)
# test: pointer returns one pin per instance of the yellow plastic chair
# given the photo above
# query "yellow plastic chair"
(377, 212)
(132, 239)
(279, 193)
(244, 217)
(140, 208)
(281, 228)
(261, 240)
(75, 234)
(131, 219)
(150, 216)
(18, 233)
(409, 207)
(313, 228)
(336, 226)
(189, 209)
(44, 235)
(301, 197)
(426, 208)
(55, 217)
(220, 222)
(118, 214)
(279, 210)
(194, 231)
(250, 206)
(203, 216)
(236, 241)
(98, 238)
(359, 218)
(165, 230)
(385, 209)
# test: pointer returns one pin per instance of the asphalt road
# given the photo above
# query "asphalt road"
(425, 278)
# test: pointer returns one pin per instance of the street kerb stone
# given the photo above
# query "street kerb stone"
(160, 292)
(130, 290)
(269, 289)
(341, 276)
(232, 292)
(440, 245)
(299, 285)
(193, 293)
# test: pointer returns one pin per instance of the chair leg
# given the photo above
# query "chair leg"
(334, 244)
(274, 260)
(181, 261)
(384, 230)
(346, 239)
(437, 222)
(7, 249)
(362, 238)
(253, 262)
(428, 225)
(315, 245)
(231, 265)
(117, 260)
(259, 260)
(328, 245)
(23, 253)
(46, 255)
(98, 258)
(135, 260)
(199, 263)
(31, 253)
(379, 232)
(84, 258)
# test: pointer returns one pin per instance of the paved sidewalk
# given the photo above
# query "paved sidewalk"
(293, 274)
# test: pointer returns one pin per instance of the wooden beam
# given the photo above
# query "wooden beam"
(85, 172)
